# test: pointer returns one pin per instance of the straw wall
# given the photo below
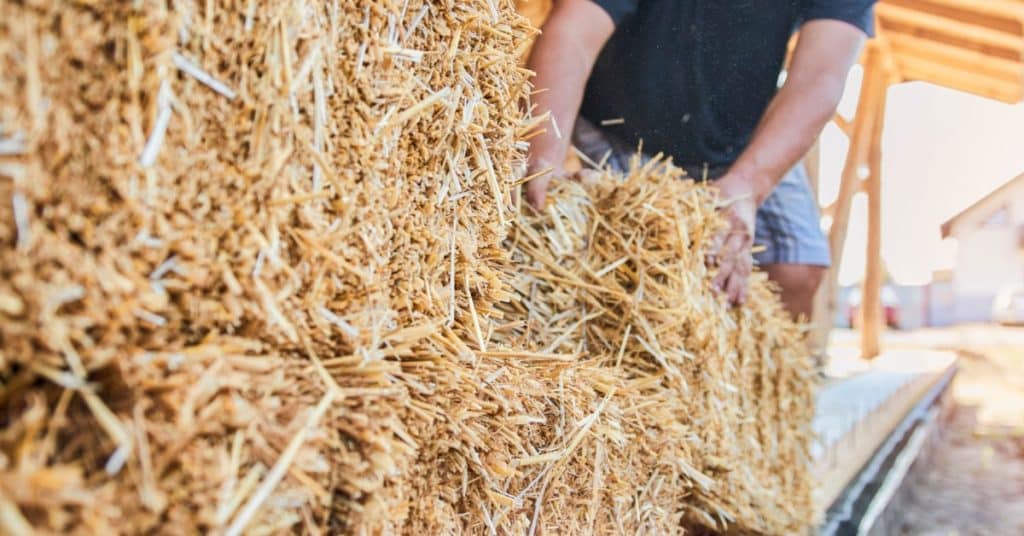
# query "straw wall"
(261, 271)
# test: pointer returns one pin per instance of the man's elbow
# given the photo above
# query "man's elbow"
(833, 86)
(581, 25)
(822, 92)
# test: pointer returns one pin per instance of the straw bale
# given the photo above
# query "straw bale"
(696, 415)
(218, 215)
(257, 277)
(619, 393)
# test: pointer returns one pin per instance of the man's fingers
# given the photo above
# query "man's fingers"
(725, 269)
(731, 253)
(726, 260)
(730, 250)
(715, 251)
(738, 242)
(734, 268)
(537, 192)
(736, 288)
(537, 199)
(741, 279)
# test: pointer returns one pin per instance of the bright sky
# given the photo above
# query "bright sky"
(942, 151)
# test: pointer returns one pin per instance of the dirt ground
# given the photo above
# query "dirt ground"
(975, 484)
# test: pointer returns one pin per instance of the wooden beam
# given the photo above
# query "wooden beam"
(901, 20)
(914, 68)
(1000, 15)
(871, 301)
(817, 345)
(872, 88)
(844, 126)
(968, 61)
(874, 84)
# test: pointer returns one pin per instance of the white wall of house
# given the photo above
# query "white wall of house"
(989, 252)
(941, 304)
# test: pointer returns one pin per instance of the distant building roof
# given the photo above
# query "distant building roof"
(981, 204)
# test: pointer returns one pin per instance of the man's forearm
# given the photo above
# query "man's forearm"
(794, 119)
(562, 59)
(789, 127)
(561, 77)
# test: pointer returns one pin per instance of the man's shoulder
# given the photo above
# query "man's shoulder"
(618, 10)
(859, 13)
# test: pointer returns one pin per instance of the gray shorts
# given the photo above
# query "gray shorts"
(788, 222)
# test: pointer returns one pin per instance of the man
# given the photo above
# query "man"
(698, 81)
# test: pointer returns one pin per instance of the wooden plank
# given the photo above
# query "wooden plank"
(857, 414)
(913, 68)
(901, 20)
(873, 85)
(976, 63)
(871, 302)
(998, 15)
(875, 82)
(817, 345)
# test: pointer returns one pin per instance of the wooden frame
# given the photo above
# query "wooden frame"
(974, 46)
(864, 155)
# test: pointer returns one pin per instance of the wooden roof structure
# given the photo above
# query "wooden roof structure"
(975, 46)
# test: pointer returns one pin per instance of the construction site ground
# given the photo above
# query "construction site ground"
(975, 484)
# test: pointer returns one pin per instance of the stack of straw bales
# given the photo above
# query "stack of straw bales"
(217, 210)
(262, 271)
(687, 413)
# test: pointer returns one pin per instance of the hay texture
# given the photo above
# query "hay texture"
(213, 213)
(687, 413)
(262, 272)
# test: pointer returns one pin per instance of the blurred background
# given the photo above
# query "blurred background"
(952, 208)
(949, 269)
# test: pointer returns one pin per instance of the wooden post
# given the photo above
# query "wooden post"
(871, 302)
(821, 317)
(873, 88)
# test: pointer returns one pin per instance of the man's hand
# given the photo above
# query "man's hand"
(731, 250)
(537, 190)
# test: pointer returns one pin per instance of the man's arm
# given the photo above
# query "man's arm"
(807, 101)
(563, 56)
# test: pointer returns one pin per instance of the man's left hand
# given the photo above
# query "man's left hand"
(731, 249)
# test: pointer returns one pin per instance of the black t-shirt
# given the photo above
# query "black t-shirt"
(692, 78)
